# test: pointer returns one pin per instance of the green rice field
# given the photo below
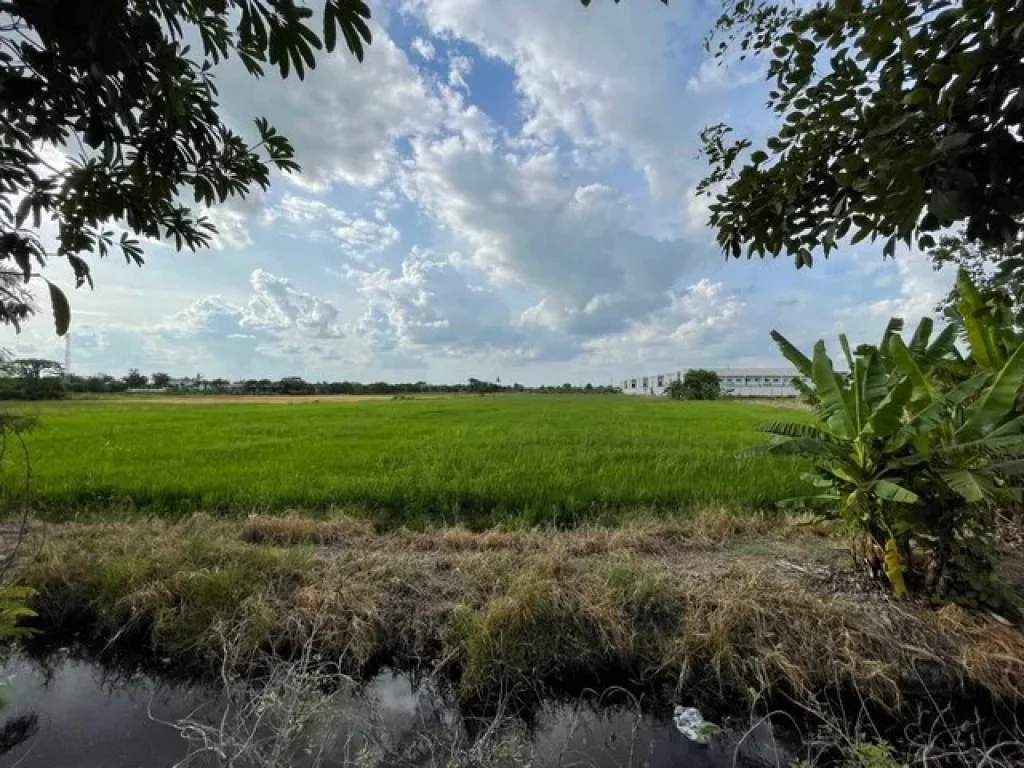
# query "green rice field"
(520, 460)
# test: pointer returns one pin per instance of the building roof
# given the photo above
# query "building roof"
(788, 373)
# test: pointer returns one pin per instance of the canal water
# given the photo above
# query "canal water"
(70, 712)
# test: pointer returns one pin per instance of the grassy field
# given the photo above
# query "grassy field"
(470, 460)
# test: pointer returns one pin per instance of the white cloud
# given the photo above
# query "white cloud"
(424, 48)
(920, 289)
(430, 305)
(345, 118)
(276, 304)
(607, 77)
(530, 227)
(458, 68)
(714, 76)
(695, 325)
(358, 237)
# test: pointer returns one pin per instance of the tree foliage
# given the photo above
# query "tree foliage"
(31, 379)
(997, 271)
(898, 119)
(135, 380)
(116, 86)
(701, 384)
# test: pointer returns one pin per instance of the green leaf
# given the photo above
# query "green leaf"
(943, 344)
(908, 366)
(886, 418)
(996, 401)
(799, 360)
(1013, 468)
(947, 205)
(966, 484)
(875, 386)
(895, 325)
(794, 429)
(980, 336)
(845, 344)
(890, 491)
(833, 405)
(1014, 426)
(968, 389)
(919, 342)
(331, 22)
(61, 309)
(918, 96)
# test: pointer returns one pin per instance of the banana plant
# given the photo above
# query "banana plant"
(904, 456)
(852, 448)
(987, 325)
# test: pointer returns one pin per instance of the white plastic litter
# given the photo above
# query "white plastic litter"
(692, 725)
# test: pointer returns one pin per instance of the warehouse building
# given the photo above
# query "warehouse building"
(738, 382)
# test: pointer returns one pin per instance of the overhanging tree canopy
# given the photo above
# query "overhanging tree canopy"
(113, 83)
(899, 118)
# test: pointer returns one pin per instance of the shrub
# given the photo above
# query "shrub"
(698, 384)
(702, 384)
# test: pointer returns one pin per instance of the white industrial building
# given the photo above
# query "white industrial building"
(738, 382)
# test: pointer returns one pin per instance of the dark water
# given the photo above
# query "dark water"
(74, 713)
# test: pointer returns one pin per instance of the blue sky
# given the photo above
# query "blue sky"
(499, 190)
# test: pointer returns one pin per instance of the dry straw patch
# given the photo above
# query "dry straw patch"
(652, 604)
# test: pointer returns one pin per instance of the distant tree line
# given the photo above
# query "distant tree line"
(37, 379)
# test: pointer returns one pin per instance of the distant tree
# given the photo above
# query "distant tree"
(293, 385)
(676, 390)
(130, 83)
(31, 369)
(32, 379)
(701, 384)
(160, 380)
(135, 380)
(219, 385)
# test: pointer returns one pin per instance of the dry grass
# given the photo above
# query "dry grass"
(295, 529)
(680, 603)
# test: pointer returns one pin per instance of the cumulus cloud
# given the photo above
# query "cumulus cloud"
(530, 227)
(430, 305)
(346, 117)
(920, 289)
(277, 304)
(696, 323)
(278, 320)
(358, 237)
(603, 76)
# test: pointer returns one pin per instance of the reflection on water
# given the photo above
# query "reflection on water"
(76, 713)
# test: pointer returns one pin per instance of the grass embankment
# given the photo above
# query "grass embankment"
(712, 604)
(475, 461)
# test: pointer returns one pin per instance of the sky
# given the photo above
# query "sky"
(500, 190)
